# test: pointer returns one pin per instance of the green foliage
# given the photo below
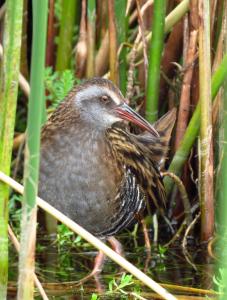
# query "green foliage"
(162, 251)
(65, 237)
(14, 211)
(218, 280)
(58, 85)
(58, 10)
(94, 297)
(125, 282)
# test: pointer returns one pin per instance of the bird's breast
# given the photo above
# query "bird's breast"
(80, 177)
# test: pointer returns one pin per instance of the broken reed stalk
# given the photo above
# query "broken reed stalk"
(184, 108)
(155, 55)
(91, 19)
(92, 240)
(122, 29)
(192, 131)
(113, 61)
(16, 244)
(64, 49)
(206, 138)
(8, 94)
(31, 171)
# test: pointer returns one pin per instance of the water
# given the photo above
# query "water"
(61, 264)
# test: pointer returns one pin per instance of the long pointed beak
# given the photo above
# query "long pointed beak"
(125, 112)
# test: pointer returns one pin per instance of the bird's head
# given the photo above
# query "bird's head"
(101, 103)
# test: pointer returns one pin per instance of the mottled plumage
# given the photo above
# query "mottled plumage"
(92, 170)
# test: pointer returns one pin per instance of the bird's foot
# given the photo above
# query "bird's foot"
(98, 266)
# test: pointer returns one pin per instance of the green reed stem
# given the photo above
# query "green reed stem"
(91, 29)
(31, 170)
(8, 102)
(192, 131)
(155, 54)
(64, 50)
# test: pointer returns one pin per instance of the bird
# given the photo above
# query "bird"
(93, 169)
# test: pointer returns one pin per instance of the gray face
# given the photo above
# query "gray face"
(97, 105)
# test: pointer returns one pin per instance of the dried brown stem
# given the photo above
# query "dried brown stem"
(112, 43)
(51, 32)
(142, 33)
(177, 234)
(145, 6)
(206, 145)
(81, 47)
(102, 56)
(184, 195)
(172, 53)
(189, 228)
(184, 108)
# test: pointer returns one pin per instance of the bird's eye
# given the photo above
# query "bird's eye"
(105, 99)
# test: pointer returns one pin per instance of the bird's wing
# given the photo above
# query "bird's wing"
(133, 154)
(159, 146)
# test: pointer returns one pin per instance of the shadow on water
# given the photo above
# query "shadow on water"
(59, 265)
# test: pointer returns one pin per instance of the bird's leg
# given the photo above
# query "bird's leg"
(147, 244)
(116, 245)
(99, 261)
(98, 265)
(146, 235)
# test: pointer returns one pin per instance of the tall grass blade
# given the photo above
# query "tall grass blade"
(31, 171)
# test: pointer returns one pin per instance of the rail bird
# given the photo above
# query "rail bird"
(92, 168)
